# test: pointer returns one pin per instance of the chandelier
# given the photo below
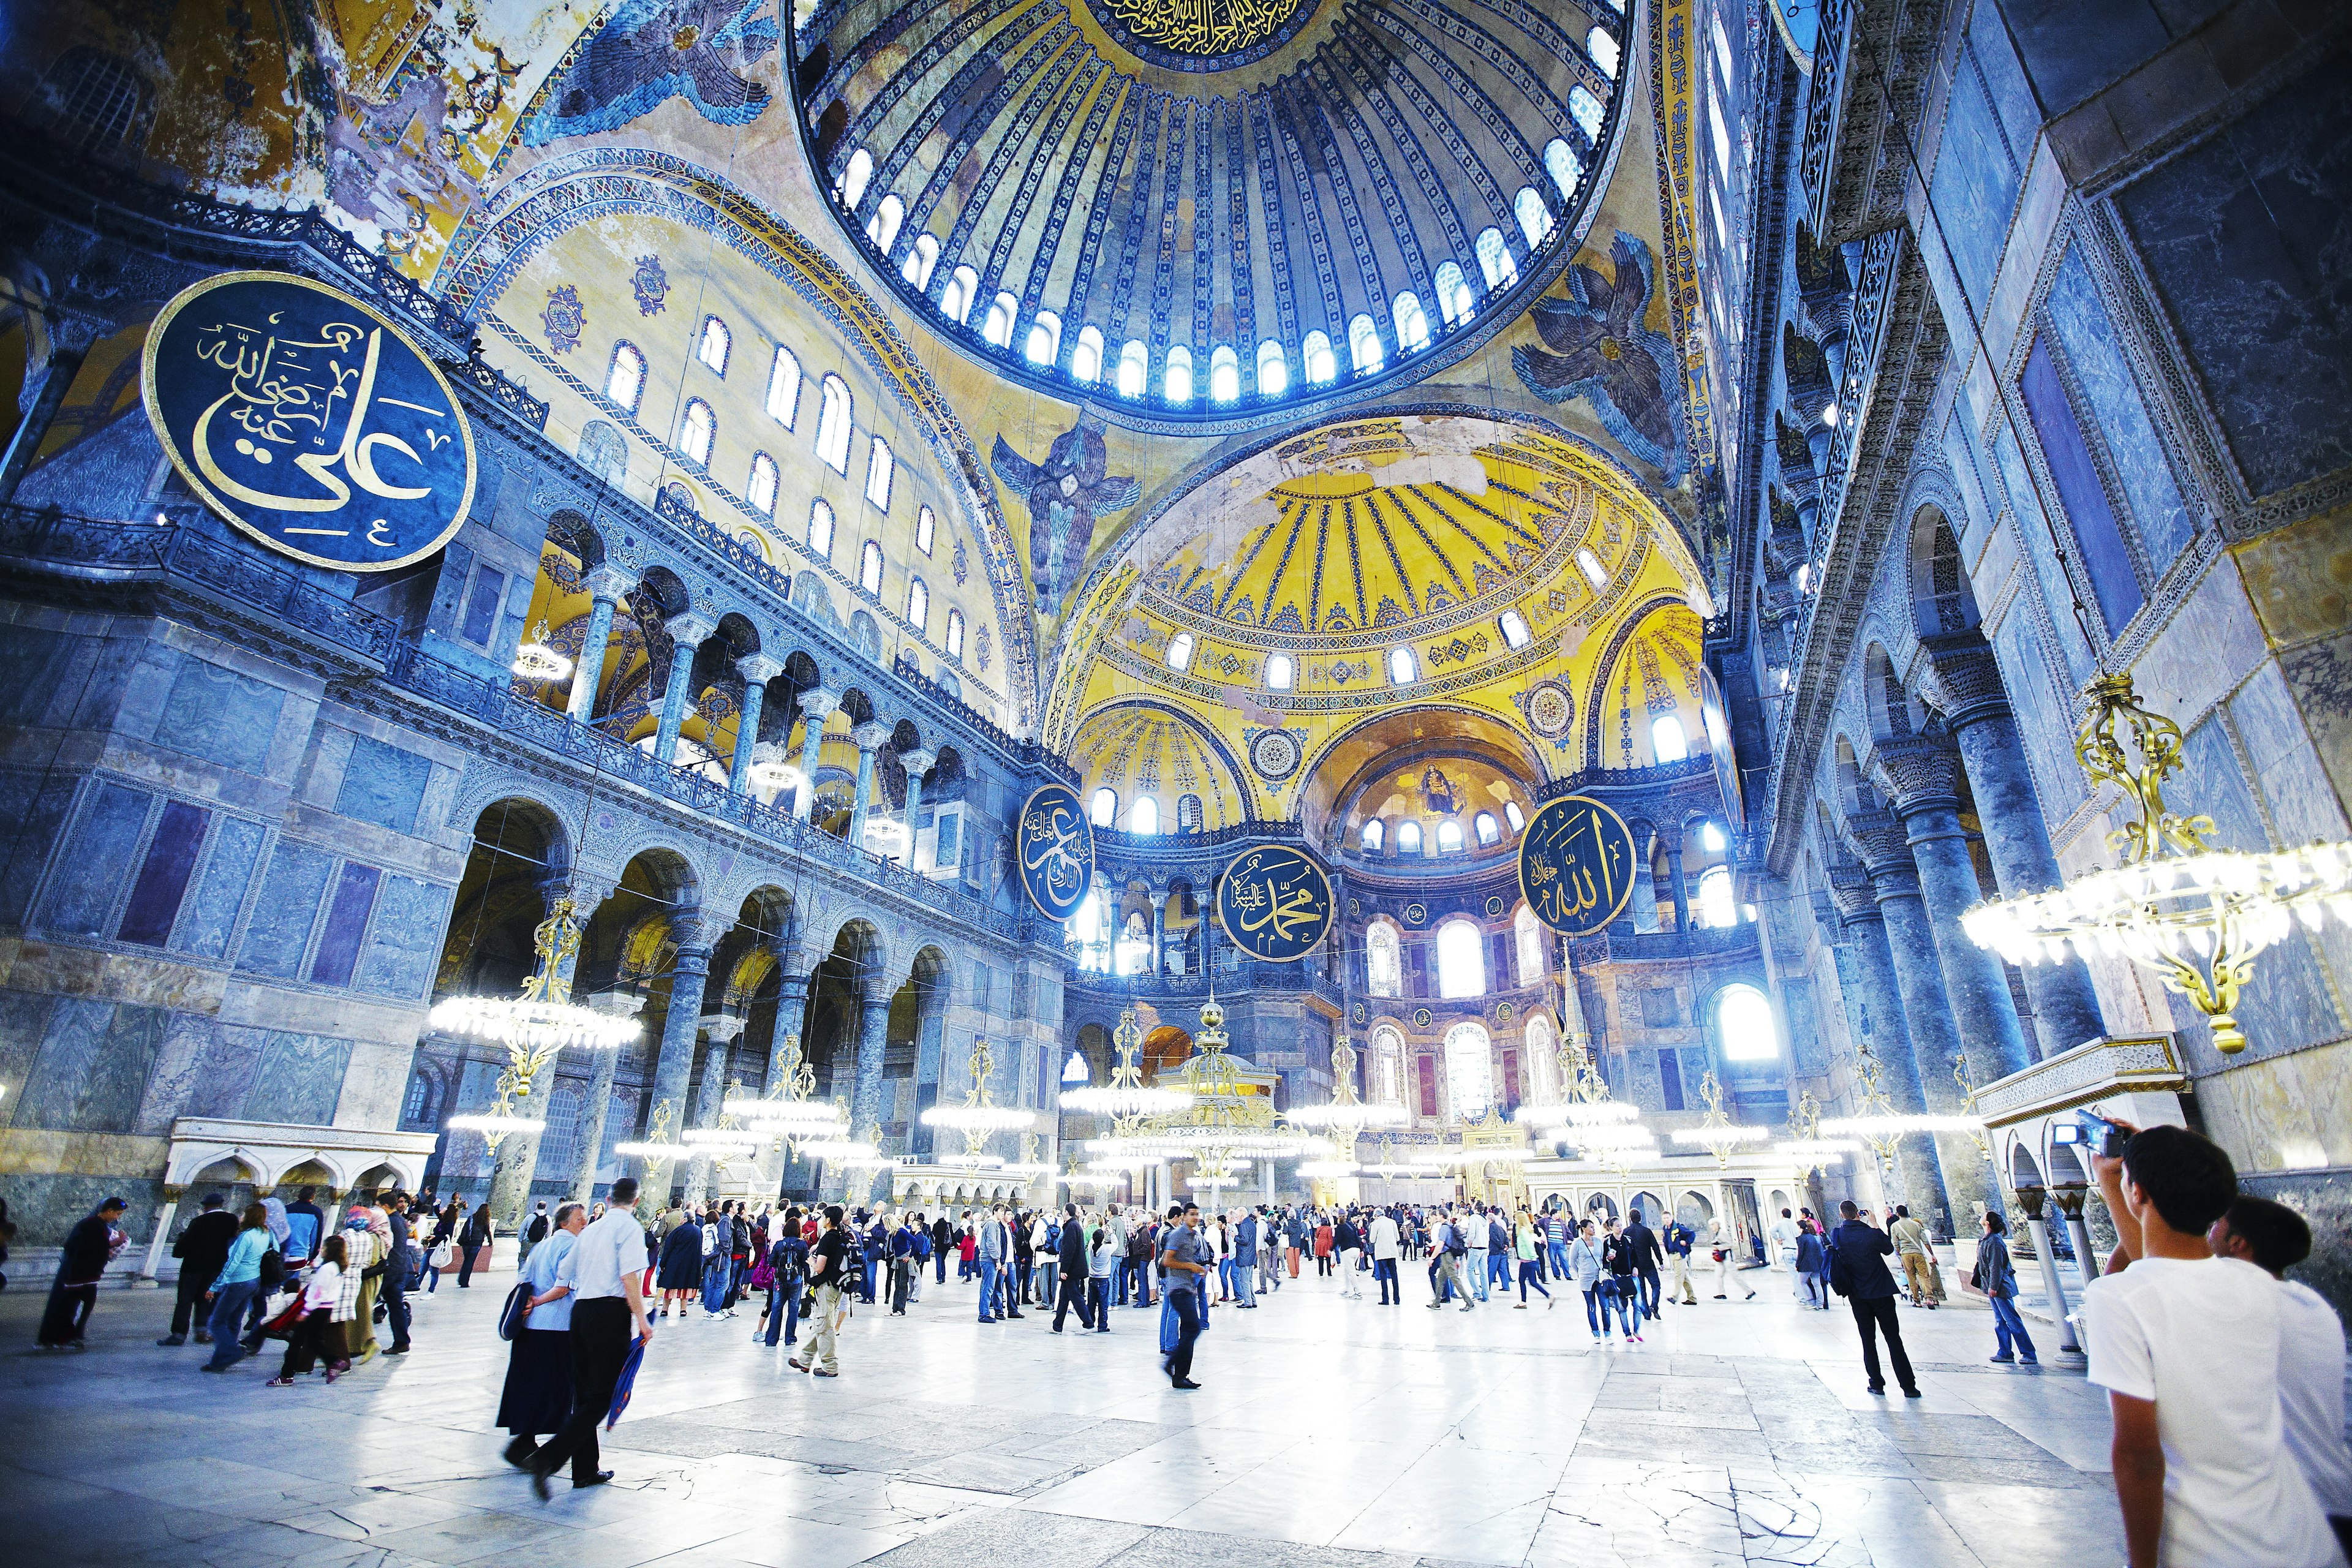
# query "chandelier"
(980, 1115)
(790, 1111)
(1343, 1112)
(1388, 1168)
(532, 1026)
(1126, 1096)
(537, 660)
(1585, 1105)
(1715, 1131)
(2196, 914)
(1805, 1145)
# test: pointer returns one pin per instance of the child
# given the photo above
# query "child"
(320, 1293)
(1100, 1261)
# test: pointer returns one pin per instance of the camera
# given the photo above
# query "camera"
(2095, 1132)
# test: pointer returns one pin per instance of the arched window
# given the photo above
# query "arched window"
(1744, 1031)
(1176, 386)
(1273, 370)
(1375, 835)
(1469, 1068)
(625, 383)
(1401, 666)
(1601, 45)
(1143, 816)
(1710, 838)
(760, 488)
(1045, 342)
(418, 1110)
(879, 467)
(1412, 322)
(1668, 743)
(1461, 960)
(1535, 218)
(1383, 958)
(716, 340)
(926, 525)
(1105, 809)
(921, 257)
(882, 228)
(1449, 836)
(1409, 839)
(1560, 164)
(1527, 932)
(852, 189)
(1585, 109)
(870, 568)
(1543, 1059)
(697, 429)
(1717, 906)
(1085, 360)
(1388, 1067)
(833, 421)
(784, 387)
(1134, 368)
(955, 633)
(820, 532)
(1514, 817)
(1515, 629)
(1454, 300)
(1495, 261)
(956, 299)
(1279, 671)
(1364, 350)
(1179, 652)
(997, 326)
(1225, 375)
(1188, 814)
(1489, 830)
(919, 605)
(1589, 565)
(1322, 364)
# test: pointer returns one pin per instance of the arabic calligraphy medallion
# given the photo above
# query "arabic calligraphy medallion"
(1275, 904)
(1576, 865)
(1201, 35)
(1055, 851)
(308, 421)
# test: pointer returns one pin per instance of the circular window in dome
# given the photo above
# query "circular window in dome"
(1201, 35)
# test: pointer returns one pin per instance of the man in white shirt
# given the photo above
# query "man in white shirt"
(604, 1271)
(2275, 1238)
(1384, 1259)
(1783, 1233)
(2187, 1346)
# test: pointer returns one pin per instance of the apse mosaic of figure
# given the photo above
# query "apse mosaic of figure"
(1602, 348)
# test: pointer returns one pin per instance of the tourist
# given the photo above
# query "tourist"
(1294, 1237)
(363, 1264)
(787, 1276)
(1024, 1259)
(234, 1287)
(306, 1227)
(1679, 1239)
(1727, 1263)
(399, 1272)
(1269, 1251)
(1811, 1252)
(310, 1336)
(679, 1273)
(1387, 1243)
(829, 1269)
(900, 1245)
(1644, 1242)
(1350, 1240)
(717, 1236)
(2190, 1348)
(1925, 1281)
(967, 1249)
(472, 1242)
(1585, 1268)
(534, 1231)
(1995, 1279)
(537, 1393)
(1102, 1262)
(1477, 1244)
(1451, 1250)
(202, 1247)
(441, 1245)
(1074, 1268)
(1858, 1272)
(1531, 1268)
(1783, 1233)
(1324, 1237)
(991, 1264)
(2275, 1238)
(88, 1248)
(1622, 1285)
(602, 1272)
(1184, 1259)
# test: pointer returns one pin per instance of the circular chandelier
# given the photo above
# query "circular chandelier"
(1715, 1131)
(1343, 1112)
(651, 1150)
(1114, 1099)
(846, 1149)
(784, 1116)
(2196, 914)
(496, 1123)
(979, 1118)
(536, 660)
(1815, 1148)
(1327, 1170)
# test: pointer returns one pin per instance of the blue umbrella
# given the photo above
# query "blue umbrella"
(625, 1383)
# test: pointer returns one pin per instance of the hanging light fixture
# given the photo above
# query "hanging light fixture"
(1126, 1096)
(2196, 914)
(979, 1116)
(537, 660)
(1715, 1131)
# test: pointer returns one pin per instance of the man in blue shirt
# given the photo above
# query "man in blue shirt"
(537, 1393)
(1184, 1259)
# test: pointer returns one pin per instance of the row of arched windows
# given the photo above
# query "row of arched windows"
(1143, 812)
(1449, 839)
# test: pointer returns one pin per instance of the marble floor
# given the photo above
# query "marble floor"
(1330, 1434)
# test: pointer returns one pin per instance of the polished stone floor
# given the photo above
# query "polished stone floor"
(1330, 1434)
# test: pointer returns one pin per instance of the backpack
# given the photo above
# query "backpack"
(1455, 1244)
(273, 1270)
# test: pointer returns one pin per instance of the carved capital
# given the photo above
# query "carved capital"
(1885, 849)
(609, 582)
(1968, 684)
(917, 763)
(691, 630)
(871, 737)
(694, 932)
(759, 668)
(818, 703)
(1919, 772)
(1850, 887)
(724, 1028)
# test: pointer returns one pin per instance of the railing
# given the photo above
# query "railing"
(1864, 345)
(1617, 781)
(1119, 840)
(1824, 106)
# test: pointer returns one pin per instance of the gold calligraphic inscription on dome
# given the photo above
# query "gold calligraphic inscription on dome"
(308, 421)
(1056, 851)
(1576, 865)
(1275, 904)
(1194, 35)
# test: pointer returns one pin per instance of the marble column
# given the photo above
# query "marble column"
(687, 633)
(1681, 888)
(795, 969)
(916, 763)
(723, 1029)
(69, 342)
(1159, 929)
(1889, 1033)
(1925, 774)
(1643, 905)
(2016, 834)
(870, 738)
(606, 585)
(865, 1095)
(816, 704)
(1927, 1004)
(598, 1108)
(696, 932)
(517, 1157)
(757, 670)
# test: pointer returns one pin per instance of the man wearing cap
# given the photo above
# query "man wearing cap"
(603, 1272)
(90, 1246)
(202, 1248)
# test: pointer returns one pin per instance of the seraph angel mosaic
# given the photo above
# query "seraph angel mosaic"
(650, 51)
(1067, 494)
(1600, 349)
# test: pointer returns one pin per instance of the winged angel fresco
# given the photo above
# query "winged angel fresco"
(1603, 350)
(650, 51)
(1067, 493)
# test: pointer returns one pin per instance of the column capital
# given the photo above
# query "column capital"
(692, 629)
(917, 763)
(817, 702)
(723, 1028)
(759, 668)
(696, 932)
(608, 582)
(1966, 677)
(1851, 890)
(1919, 773)
(871, 736)
(1885, 850)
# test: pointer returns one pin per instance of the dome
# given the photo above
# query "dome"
(1196, 215)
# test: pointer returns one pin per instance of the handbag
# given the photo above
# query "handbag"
(517, 1310)
(442, 1256)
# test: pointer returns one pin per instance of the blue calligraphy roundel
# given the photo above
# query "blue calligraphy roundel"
(309, 421)
(1275, 904)
(1055, 846)
(1576, 865)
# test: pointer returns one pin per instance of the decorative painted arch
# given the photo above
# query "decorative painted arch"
(1606, 665)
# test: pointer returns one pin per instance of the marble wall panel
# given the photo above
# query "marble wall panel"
(280, 933)
(91, 875)
(373, 1080)
(2079, 318)
(1975, 183)
(164, 877)
(37, 670)
(189, 1040)
(225, 1072)
(409, 921)
(209, 919)
(221, 716)
(23, 1022)
(300, 1079)
(2033, 537)
(91, 1072)
(382, 784)
(346, 924)
(35, 803)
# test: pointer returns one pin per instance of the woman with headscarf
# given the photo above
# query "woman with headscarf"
(679, 1272)
(364, 1254)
